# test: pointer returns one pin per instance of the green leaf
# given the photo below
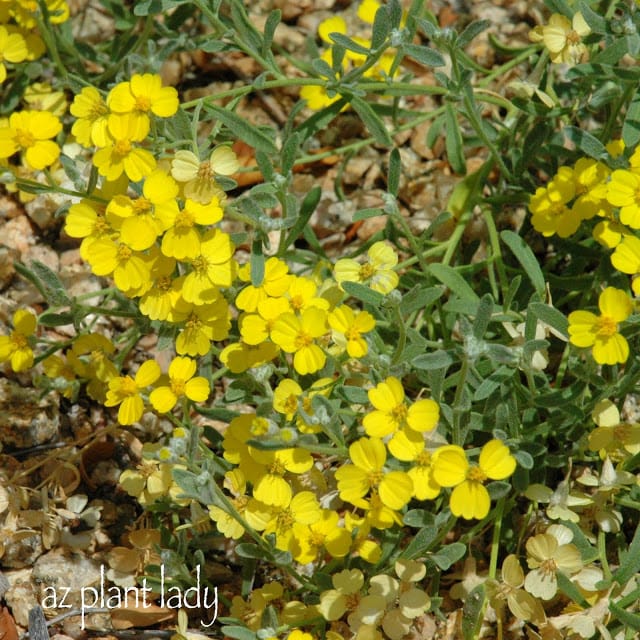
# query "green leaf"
(630, 561)
(363, 293)
(453, 141)
(524, 458)
(570, 590)
(355, 395)
(452, 279)
(363, 214)
(238, 633)
(71, 169)
(449, 555)
(270, 25)
(51, 319)
(631, 126)
(551, 316)
(420, 543)
(471, 31)
(473, 612)
(424, 55)
(46, 281)
(483, 316)
(372, 121)
(585, 142)
(257, 263)
(492, 383)
(628, 619)
(419, 298)
(436, 360)
(418, 518)
(249, 550)
(395, 169)
(243, 130)
(289, 152)
(498, 489)
(349, 44)
(613, 53)
(307, 208)
(320, 120)
(526, 258)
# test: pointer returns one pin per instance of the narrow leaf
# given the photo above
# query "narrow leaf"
(453, 141)
(526, 258)
(424, 55)
(395, 168)
(585, 142)
(631, 126)
(472, 613)
(472, 30)
(551, 316)
(246, 132)
(363, 293)
(452, 279)
(372, 121)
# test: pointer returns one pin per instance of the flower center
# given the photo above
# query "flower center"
(177, 386)
(184, 220)
(607, 326)
(124, 253)
(352, 333)
(573, 37)
(291, 404)
(97, 110)
(25, 138)
(375, 478)
(303, 340)
(143, 103)
(122, 148)
(366, 271)
(399, 412)
(476, 474)
(129, 386)
(423, 459)
(548, 567)
(19, 340)
(164, 284)
(205, 171)
(200, 264)
(141, 206)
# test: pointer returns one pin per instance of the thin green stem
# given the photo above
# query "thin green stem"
(495, 541)
(458, 410)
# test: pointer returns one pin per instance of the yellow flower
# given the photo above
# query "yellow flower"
(182, 239)
(15, 347)
(348, 327)
(548, 553)
(335, 24)
(470, 498)
(275, 283)
(200, 177)
(296, 334)
(367, 10)
(92, 113)
(344, 596)
(200, 324)
(368, 456)
(601, 332)
(126, 392)
(392, 414)
(256, 327)
(141, 220)
(549, 206)
(622, 191)
(13, 48)
(213, 267)
(563, 38)
(181, 383)
(323, 534)
(240, 356)
(120, 155)
(626, 258)
(377, 272)
(148, 482)
(142, 95)
(611, 434)
(30, 132)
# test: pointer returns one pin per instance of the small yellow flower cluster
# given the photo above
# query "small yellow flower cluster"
(127, 392)
(19, 39)
(317, 97)
(563, 38)
(589, 190)
(389, 603)
(574, 194)
(289, 313)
